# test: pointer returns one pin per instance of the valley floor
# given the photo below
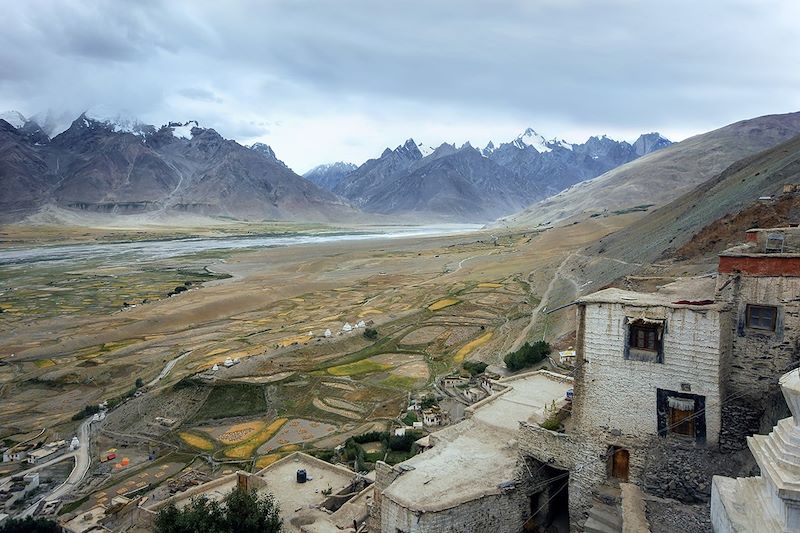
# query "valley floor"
(434, 301)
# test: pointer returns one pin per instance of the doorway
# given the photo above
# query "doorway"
(620, 458)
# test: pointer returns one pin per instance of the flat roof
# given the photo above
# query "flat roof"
(687, 293)
(298, 502)
(470, 459)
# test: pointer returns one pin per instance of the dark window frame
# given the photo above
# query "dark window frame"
(766, 318)
(644, 341)
(663, 415)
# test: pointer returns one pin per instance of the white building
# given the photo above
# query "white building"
(347, 328)
(74, 443)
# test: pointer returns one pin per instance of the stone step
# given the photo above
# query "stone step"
(780, 449)
(608, 495)
(790, 433)
(592, 525)
(606, 514)
(782, 478)
(771, 452)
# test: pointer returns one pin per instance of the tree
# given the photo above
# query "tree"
(371, 333)
(29, 525)
(139, 383)
(239, 512)
(527, 355)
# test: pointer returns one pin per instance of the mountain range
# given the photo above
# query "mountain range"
(470, 184)
(661, 176)
(122, 166)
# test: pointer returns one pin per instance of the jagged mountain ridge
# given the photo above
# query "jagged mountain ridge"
(663, 175)
(329, 175)
(127, 167)
(452, 183)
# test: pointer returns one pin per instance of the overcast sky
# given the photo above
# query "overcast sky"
(341, 80)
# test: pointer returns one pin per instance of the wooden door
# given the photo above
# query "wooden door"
(681, 422)
(619, 464)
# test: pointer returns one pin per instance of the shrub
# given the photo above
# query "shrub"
(402, 443)
(527, 355)
(240, 511)
(89, 410)
(371, 333)
(29, 525)
(410, 418)
(474, 367)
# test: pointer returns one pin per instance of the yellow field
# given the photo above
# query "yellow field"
(249, 447)
(441, 304)
(267, 460)
(196, 441)
(240, 432)
(467, 348)
(44, 363)
(490, 285)
(364, 366)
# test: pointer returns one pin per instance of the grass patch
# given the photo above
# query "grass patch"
(441, 304)
(400, 382)
(490, 285)
(233, 399)
(471, 345)
(364, 366)
(44, 363)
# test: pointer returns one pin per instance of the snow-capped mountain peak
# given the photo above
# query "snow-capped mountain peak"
(116, 122)
(15, 118)
(424, 149)
(183, 130)
(533, 139)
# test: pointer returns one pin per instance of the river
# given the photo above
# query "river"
(161, 249)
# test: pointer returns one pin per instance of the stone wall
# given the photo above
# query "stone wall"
(620, 395)
(757, 358)
(499, 513)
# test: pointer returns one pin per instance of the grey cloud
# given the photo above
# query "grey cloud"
(609, 65)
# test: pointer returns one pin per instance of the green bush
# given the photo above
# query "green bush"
(474, 367)
(89, 410)
(527, 355)
(29, 525)
(371, 333)
(402, 443)
(410, 418)
(372, 436)
(239, 511)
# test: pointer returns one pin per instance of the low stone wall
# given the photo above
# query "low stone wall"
(498, 513)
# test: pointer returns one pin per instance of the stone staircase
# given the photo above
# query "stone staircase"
(605, 516)
(770, 502)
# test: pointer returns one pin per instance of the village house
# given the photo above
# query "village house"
(666, 381)
(666, 385)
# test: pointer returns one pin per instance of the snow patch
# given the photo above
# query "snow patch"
(15, 118)
(424, 149)
(530, 138)
(116, 122)
(183, 131)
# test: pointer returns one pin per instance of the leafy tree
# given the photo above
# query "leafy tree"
(29, 525)
(371, 333)
(240, 512)
(139, 383)
(475, 367)
(527, 355)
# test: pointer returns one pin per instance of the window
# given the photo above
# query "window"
(645, 341)
(761, 317)
(681, 415)
(644, 337)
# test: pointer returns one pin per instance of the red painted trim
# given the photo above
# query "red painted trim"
(760, 266)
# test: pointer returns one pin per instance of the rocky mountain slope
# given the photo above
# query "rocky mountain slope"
(469, 184)
(329, 175)
(119, 167)
(704, 220)
(661, 176)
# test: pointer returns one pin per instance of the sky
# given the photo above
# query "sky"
(340, 80)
